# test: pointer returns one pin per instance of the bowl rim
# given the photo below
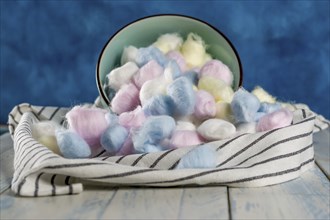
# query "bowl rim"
(98, 79)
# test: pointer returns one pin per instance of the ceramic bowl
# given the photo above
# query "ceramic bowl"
(145, 31)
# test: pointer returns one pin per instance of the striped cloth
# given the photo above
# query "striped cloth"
(248, 160)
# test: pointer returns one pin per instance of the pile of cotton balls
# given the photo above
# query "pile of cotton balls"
(168, 95)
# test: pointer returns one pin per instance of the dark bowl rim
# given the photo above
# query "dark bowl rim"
(98, 80)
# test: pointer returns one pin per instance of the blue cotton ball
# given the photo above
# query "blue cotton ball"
(113, 138)
(151, 148)
(267, 108)
(146, 54)
(152, 132)
(203, 156)
(72, 145)
(259, 115)
(183, 95)
(192, 76)
(172, 70)
(244, 106)
(159, 105)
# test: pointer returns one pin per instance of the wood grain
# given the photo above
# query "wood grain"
(88, 205)
(322, 150)
(6, 161)
(306, 197)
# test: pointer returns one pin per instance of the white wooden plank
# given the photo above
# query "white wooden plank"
(322, 150)
(6, 161)
(88, 205)
(306, 197)
(204, 203)
(144, 203)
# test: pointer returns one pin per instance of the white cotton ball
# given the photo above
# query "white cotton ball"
(128, 55)
(194, 51)
(216, 129)
(168, 42)
(122, 75)
(185, 126)
(152, 88)
(248, 127)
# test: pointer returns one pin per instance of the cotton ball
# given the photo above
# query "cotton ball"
(152, 88)
(44, 133)
(159, 105)
(181, 138)
(244, 106)
(110, 92)
(72, 145)
(112, 119)
(203, 156)
(149, 71)
(185, 125)
(278, 119)
(183, 95)
(113, 138)
(89, 123)
(146, 54)
(126, 99)
(172, 71)
(262, 95)
(177, 56)
(128, 55)
(122, 75)
(152, 132)
(216, 129)
(192, 76)
(127, 148)
(269, 107)
(132, 119)
(205, 105)
(223, 111)
(218, 70)
(168, 42)
(194, 50)
(266, 108)
(216, 87)
(246, 128)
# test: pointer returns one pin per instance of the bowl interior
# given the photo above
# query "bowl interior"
(144, 32)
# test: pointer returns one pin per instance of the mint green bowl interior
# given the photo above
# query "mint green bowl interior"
(145, 31)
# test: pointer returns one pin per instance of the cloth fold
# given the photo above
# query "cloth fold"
(248, 160)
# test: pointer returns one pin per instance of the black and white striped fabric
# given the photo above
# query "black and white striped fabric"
(248, 160)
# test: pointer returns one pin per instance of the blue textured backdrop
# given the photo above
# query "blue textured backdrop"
(49, 49)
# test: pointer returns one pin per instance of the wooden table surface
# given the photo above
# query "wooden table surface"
(307, 197)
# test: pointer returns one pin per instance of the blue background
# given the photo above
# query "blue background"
(49, 49)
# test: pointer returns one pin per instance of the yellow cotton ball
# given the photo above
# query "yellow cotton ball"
(223, 111)
(168, 42)
(262, 95)
(217, 88)
(44, 133)
(50, 142)
(194, 50)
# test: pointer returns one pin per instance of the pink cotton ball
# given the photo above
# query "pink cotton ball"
(205, 105)
(278, 119)
(185, 139)
(126, 99)
(177, 56)
(217, 69)
(127, 148)
(132, 119)
(88, 123)
(150, 70)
